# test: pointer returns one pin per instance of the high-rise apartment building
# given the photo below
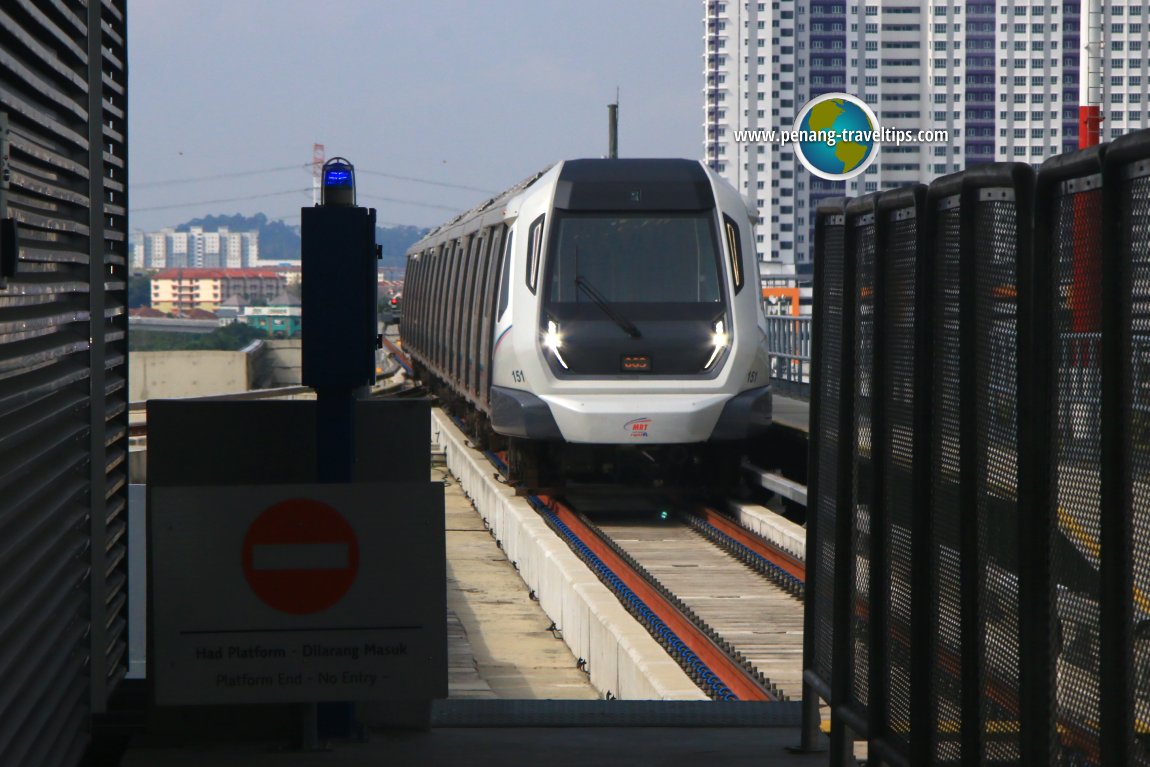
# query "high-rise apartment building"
(196, 248)
(1001, 78)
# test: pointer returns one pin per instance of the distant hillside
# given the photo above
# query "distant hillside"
(280, 242)
(395, 240)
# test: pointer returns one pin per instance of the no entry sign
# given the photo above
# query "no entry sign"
(291, 593)
(300, 556)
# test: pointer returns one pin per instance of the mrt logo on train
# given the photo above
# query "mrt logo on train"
(638, 427)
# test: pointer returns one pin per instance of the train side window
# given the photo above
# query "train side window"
(505, 279)
(476, 314)
(467, 306)
(490, 297)
(440, 291)
(424, 292)
(491, 280)
(451, 255)
(534, 251)
(414, 263)
(458, 276)
(734, 247)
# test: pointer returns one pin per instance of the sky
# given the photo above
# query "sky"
(227, 98)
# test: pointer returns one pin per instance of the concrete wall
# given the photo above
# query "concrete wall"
(622, 658)
(284, 358)
(162, 375)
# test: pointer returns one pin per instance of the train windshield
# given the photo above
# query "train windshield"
(641, 258)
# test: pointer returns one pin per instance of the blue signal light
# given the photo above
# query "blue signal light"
(338, 176)
(338, 182)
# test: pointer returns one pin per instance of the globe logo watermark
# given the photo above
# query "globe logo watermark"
(836, 136)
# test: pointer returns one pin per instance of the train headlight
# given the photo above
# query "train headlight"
(553, 340)
(719, 340)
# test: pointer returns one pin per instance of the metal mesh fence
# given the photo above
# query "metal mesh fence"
(1076, 261)
(1135, 250)
(828, 393)
(1011, 614)
(898, 462)
(864, 339)
(996, 402)
(945, 451)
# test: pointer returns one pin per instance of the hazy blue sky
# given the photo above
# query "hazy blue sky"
(478, 94)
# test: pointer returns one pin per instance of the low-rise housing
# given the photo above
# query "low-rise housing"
(181, 290)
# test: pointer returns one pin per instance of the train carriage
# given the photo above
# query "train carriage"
(598, 304)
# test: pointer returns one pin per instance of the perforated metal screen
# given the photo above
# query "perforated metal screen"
(996, 361)
(1076, 256)
(864, 340)
(945, 453)
(1134, 249)
(901, 274)
(63, 426)
(997, 332)
(827, 388)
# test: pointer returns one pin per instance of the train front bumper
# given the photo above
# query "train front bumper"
(634, 419)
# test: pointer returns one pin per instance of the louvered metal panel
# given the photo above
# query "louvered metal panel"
(63, 422)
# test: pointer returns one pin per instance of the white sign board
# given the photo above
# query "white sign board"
(274, 594)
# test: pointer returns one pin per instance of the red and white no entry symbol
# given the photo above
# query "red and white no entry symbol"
(300, 556)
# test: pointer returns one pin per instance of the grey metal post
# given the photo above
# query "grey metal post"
(613, 130)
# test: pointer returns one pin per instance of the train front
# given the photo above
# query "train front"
(649, 327)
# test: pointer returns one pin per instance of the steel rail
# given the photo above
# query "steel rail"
(780, 558)
(738, 679)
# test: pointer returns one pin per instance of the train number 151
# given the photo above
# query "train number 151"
(518, 376)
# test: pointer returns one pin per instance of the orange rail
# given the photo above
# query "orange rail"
(735, 677)
(773, 554)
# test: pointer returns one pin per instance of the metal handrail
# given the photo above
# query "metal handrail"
(789, 343)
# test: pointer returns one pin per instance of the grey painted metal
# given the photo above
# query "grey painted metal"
(171, 325)
(614, 713)
(789, 342)
(777, 483)
(63, 409)
(137, 583)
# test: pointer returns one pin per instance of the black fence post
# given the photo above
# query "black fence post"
(971, 646)
(855, 614)
(844, 718)
(1125, 469)
(923, 616)
(822, 480)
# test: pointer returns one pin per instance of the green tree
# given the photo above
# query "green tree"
(139, 290)
(228, 338)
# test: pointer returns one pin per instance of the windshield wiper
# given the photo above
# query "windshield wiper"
(609, 310)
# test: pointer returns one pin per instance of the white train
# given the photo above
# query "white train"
(598, 303)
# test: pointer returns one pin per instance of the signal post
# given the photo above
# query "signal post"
(293, 561)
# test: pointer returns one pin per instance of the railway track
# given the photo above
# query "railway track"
(725, 603)
(759, 620)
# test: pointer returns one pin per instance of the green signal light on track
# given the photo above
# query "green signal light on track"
(664, 514)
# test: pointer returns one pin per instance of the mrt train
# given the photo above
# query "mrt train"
(601, 316)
